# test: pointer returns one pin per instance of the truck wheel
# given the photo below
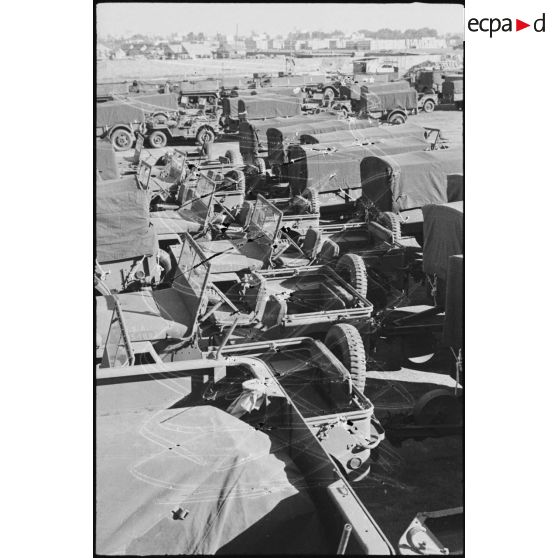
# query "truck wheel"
(397, 118)
(205, 135)
(352, 269)
(234, 157)
(345, 342)
(121, 140)
(428, 106)
(313, 200)
(157, 139)
(329, 93)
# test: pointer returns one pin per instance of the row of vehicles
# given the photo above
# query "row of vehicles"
(243, 303)
(204, 110)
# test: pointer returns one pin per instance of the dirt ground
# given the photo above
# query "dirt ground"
(125, 69)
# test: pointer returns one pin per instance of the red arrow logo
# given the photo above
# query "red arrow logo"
(519, 25)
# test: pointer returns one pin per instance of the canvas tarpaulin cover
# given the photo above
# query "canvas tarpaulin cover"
(134, 109)
(237, 493)
(389, 100)
(118, 112)
(279, 138)
(443, 236)
(364, 134)
(338, 167)
(272, 106)
(253, 132)
(122, 219)
(120, 88)
(106, 160)
(153, 103)
(410, 180)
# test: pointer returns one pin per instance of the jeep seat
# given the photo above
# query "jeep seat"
(148, 315)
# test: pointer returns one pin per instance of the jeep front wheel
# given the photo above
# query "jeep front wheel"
(428, 106)
(205, 135)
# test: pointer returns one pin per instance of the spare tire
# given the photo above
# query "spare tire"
(345, 342)
(391, 221)
(234, 157)
(352, 269)
(313, 200)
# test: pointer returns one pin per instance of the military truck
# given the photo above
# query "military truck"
(120, 121)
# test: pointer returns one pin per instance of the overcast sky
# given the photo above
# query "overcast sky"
(164, 19)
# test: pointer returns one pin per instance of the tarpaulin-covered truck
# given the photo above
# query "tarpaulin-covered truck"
(392, 104)
(258, 107)
(278, 139)
(332, 174)
(120, 120)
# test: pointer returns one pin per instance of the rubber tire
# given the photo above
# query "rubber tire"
(234, 157)
(391, 221)
(329, 93)
(439, 406)
(238, 176)
(354, 265)
(124, 133)
(345, 342)
(157, 135)
(205, 132)
(397, 119)
(313, 199)
(430, 104)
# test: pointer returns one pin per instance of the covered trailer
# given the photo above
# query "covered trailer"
(333, 175)
(253, 133)
(258, 107)
(126, 243)
(278, 139)
(410, 181)
(269, 106)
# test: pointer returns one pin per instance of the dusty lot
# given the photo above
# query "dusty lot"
(120, 70)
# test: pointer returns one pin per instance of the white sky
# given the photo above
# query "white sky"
(163, 18)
